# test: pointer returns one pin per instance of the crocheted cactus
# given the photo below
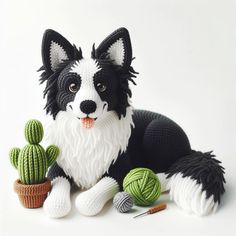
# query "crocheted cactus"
(32, 161)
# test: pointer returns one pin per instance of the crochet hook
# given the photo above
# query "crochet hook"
(153, 210)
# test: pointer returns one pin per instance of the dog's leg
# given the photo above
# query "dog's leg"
(164, 181)
(196, 183)
(91, 202)
(58, 203)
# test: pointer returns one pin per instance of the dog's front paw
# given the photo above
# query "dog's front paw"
(91, 202)
(87, 204)
(58, 203)
(188, 195)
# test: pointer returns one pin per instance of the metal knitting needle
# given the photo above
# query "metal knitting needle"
(153, 210)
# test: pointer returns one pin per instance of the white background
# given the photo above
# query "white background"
(186, 55)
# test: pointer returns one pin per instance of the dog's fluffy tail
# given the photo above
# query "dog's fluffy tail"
(196, 182)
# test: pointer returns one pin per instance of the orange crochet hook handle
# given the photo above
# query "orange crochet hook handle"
(157, 208)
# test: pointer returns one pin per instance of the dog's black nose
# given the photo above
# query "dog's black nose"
(88, 106)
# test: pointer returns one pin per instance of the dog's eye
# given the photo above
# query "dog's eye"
(73, 88)
(101, 87)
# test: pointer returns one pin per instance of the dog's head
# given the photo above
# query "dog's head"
(87, 87)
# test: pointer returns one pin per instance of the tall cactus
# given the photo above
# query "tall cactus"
(32, 161)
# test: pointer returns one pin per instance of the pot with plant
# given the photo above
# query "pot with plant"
(32, 163)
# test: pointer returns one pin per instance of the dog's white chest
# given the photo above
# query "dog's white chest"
(86, 154)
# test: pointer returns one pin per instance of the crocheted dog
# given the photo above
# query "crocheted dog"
(101, 137)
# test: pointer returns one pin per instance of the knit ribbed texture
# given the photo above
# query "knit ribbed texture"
(91, 202)
(32, 161)
(32, 164)
(52, 153)
(143, 185)
(32, 196)
(34, 131)
(14, 154)
(58, 203)
(123, 202)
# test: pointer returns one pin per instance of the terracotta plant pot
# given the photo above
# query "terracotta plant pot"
(32, 196)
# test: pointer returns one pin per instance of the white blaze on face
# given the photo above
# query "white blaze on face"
(86, 68)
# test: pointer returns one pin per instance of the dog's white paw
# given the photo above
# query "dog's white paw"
(188, 195)
(87, 204)
(58, 203)
(91, 202)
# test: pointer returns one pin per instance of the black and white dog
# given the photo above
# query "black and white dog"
(101, 137)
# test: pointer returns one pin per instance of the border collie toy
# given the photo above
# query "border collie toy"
(101, 137)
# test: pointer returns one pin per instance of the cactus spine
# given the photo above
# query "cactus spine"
(32, 161)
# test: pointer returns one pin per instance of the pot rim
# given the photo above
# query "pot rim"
(32, 189)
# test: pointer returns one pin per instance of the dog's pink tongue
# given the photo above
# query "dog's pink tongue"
(87, 122)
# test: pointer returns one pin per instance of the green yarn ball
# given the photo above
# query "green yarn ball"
(143, 185)
(34, 131)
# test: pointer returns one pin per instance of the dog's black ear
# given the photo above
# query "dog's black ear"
(117, 46)
(55, 49)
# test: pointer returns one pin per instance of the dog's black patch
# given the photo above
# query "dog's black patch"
(57, 82)
(116, 80)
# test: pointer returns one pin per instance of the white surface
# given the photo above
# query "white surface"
(185, 54)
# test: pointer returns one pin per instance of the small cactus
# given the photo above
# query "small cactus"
(32, 161)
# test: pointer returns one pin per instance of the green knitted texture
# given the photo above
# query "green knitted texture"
(32, 161)
(143, 185)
